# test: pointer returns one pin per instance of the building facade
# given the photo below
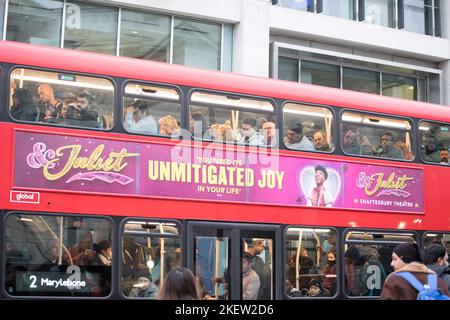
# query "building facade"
(397, 48)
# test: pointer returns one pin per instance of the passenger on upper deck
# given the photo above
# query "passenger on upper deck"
(198, 127)
(249, 135)
(139, 120)
(350, 141)
(50, 107)
(443, 153)
(321, 141)
(295, 139)
(23, 107)
(386, 149)
(270, 134)
(84, 113)
(429, 149)
(168, 125)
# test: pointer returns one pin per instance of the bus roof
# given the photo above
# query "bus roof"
(100, 64)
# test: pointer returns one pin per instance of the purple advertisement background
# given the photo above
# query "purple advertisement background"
(273, 179)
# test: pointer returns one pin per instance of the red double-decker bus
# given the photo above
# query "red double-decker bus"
(116, 170)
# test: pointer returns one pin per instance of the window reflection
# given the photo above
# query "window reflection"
(90, 27)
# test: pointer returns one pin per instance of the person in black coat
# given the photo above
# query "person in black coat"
(23, 106)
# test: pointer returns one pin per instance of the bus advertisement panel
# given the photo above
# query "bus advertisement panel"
(82, 164)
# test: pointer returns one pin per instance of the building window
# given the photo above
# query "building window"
(145, 36)
(34, 22)
(339, 8)
(197, 44)
(361, 80)
(304, 5)
(90, 28)
(420, 16)
(322, 74)
(399, 86)
(380, 12)
(2, 12)
(287, 69)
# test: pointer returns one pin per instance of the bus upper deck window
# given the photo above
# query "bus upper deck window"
(61, 99)
(151, 110)
(308, 128)
(234, 119)
(376, 136)
(435, 142)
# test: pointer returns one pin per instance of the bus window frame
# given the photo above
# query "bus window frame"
(420, 142)
(123, 95)
(412, 132)
(424, 233)
(415, 233)
(58, 71)
(122, 232)
(58, 214)
(333, 123)
(339, 257)
(189, 103)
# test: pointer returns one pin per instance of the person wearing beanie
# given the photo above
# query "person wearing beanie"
(315, 288)
(144, 287)
(407, 257)
(295, 139)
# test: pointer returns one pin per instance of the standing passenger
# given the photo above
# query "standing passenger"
(250, 279)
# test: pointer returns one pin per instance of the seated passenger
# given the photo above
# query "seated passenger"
(387, 149)
(295, 139)
(198, 127)
(84, 113)
(270, 134)
(350, 142)
(249, 135)
(443, 153)
(23, 107)
(315, 289)
(144, 287)
(139, 120)
(321, 141)
(50, 106)
(103, 254)
(429, 149)
(168, 126)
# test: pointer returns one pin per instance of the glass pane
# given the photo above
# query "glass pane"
(44, 251)
(437, 238)
(305, 5)
(211, 260)
(338, 8)
(91, 27)
(146, 260)
(399, 86)
(367, 260)
(145, 35)
(320, 74)
(361, 80)
(62, 99)
(311, 262)
(36, 22)
(376, 136)
(308, 128)
(151, 110)
(380, 12)
(197, 44)
(415, 16)
(227, 48)
(288, 69)
(210, 121)
(422, 90)
(435, 142)
(257, 271)
(2, 17)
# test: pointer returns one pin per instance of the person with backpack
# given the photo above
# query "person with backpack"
(435, 257)
(410, 273)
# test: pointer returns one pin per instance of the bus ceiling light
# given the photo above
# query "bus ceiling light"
(308, 113)
(150, 263)
(26, 220)
(231, 101)
(63, 82)
(152, 92)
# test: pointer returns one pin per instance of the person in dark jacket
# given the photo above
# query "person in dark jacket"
(406, 257)
(84, 113)
(436, 259)
(23, 106)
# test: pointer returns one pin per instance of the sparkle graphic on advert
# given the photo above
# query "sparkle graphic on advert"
(40, 158)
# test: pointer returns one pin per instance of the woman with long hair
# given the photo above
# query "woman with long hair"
(179, 284)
